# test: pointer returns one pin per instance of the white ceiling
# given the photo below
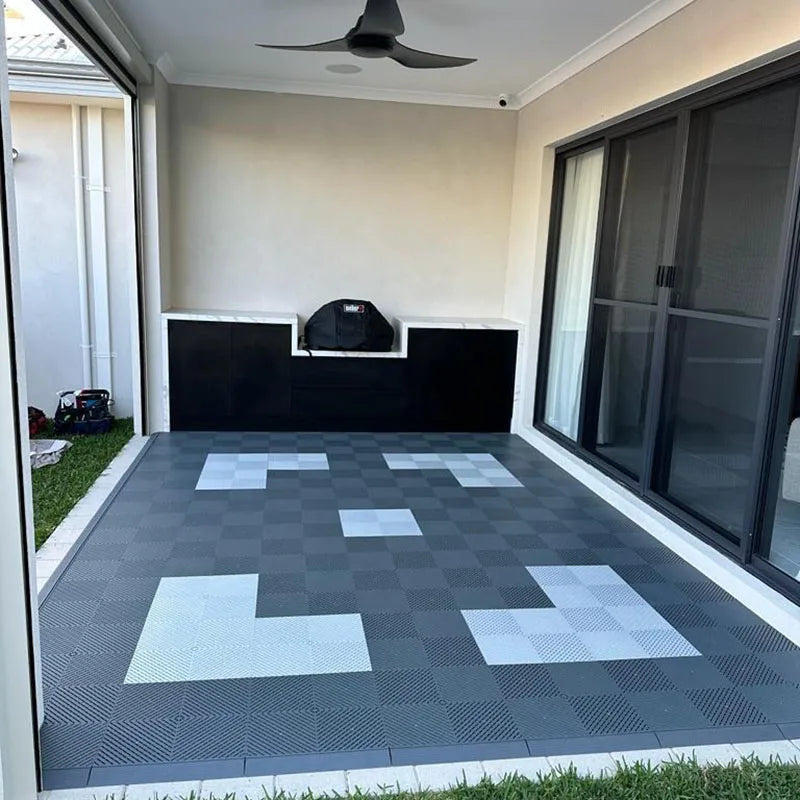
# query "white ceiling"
(518, 43)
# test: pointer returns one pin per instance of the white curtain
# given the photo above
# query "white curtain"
(581, 205)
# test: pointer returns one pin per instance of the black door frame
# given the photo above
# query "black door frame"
(748, 551)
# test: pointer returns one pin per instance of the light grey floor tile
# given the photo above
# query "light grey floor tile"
(469, 469)
(508, 649)
(379, 522)
(298, 461)
(215, 635)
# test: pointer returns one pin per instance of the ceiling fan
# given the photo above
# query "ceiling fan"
(375, 36)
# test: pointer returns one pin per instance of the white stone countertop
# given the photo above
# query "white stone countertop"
(401, 325)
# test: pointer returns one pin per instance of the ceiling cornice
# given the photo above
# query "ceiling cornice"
(331, 90)
(635, 26)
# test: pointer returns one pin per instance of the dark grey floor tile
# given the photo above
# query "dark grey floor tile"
(350, 729)
(212, 737)
(546, 718)
(288, 733)
(417, 724)
(70, 746)
(142, 741)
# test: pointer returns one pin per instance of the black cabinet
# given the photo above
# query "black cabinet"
(462, 380)
(242, 376)
(228, 375)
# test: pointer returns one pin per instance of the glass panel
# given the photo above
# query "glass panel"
(640, 182)
(742, 152)
(624, 339)
(583, 176)
(780, 542)
(709, 418)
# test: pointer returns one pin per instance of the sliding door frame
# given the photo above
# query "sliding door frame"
(747, 550)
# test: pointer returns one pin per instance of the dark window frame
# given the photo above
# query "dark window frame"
(747, 552)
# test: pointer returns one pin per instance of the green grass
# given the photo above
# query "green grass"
(58, 487)
(749, 780)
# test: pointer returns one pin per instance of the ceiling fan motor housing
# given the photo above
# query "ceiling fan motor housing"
(370, 45)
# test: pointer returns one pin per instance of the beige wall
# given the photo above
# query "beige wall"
(284, 202)
(704, 39)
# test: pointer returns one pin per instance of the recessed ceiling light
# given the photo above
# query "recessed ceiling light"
(344, 69)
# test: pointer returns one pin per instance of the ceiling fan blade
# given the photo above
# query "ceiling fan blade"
(416, 59)
(336, 46)
(381, 17)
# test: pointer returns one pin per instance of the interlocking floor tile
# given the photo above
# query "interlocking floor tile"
(473, 470)
(504, 545)
(379, 522)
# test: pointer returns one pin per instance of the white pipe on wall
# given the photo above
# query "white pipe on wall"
(96, 187)
(80, 238)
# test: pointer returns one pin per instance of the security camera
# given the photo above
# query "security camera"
(504, 100)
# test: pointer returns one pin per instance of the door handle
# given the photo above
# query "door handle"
(665, 275)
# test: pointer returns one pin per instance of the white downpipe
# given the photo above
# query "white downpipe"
(96, 188)
(80, 238)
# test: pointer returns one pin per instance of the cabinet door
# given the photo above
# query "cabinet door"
(260, 375)
(199, 375)
(462, 380)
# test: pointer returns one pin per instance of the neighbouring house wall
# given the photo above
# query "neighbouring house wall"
(46, 211)
(43, 176)
(283, 202)
(704, 39)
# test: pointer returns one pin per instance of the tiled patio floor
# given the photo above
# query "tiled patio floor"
(358, 610)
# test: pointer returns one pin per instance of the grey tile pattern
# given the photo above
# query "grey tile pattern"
(469, 469)
(409, 591)
(596, 616)
(224, 471)
(241, 471)
(204, 628)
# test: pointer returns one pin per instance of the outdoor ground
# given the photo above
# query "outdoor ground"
(681, 781)
(57, 488)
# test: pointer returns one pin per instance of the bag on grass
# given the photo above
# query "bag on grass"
(86, 411)
(37, 421)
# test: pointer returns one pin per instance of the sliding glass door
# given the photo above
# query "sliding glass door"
(634, 236)
(673, 393)
(723, 305)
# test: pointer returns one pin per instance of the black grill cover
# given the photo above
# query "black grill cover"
(349, 325)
